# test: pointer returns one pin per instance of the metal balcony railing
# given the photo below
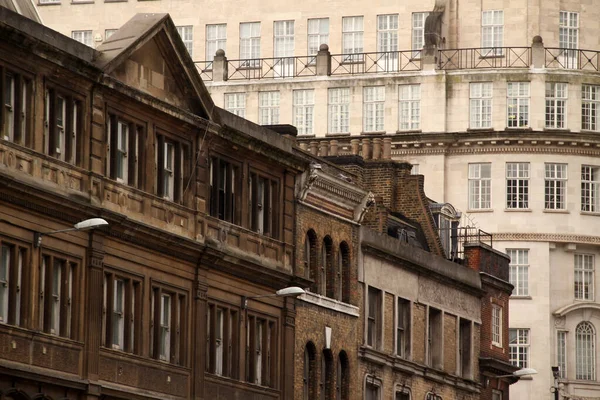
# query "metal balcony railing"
(373, 63)
(572, 59)
(326, 64)
(485, 57)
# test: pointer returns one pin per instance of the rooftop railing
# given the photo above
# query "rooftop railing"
(326, 64)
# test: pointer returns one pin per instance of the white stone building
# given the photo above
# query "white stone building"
(504, 125)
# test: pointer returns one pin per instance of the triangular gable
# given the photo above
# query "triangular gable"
(147, 53)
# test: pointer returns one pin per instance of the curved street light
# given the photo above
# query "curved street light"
(292, 291)
(80, 226)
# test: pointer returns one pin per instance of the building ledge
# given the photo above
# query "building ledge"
(330, 304)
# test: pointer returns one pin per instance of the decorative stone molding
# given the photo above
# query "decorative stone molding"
(546, 237)
(331, 304)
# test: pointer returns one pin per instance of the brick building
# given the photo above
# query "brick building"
(200, 211)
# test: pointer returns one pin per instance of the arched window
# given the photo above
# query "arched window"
(585, 343)
(309, 377)
(326, 375)
(343, 275)
(342, 383)
(327, 268)
(15, 394)
(310, 258)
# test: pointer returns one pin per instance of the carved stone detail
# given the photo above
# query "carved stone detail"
(547, 237)
(559, 322)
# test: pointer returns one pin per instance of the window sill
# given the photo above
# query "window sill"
(515, 297)
(589, 131)
(329, 303)
(556, 130)
(518, 210)
(552, 211)
(408, 131)
(373, 133)
(48, 4)
(593, 213)
(338, 134)
(496, 345)
(84, 2)
(519, 128)
(490, 129)
(480, 210)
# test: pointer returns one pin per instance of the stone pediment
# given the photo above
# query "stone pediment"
(333, 194)
(147, 54)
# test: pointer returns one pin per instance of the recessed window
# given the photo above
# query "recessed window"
(263, 203)
(84, 37)
(403, 324)
(584, 277)
(122, 304)
(519, 347)
(555, 186)
(481, 105)
(57, 275)
(517, 104)
(352, 38)
(387, 42)
(519, 271)
(568, 38)
(63, 117)
(517, 185)
(224, 181)
(216, 39)
(372, 388)
(283, 48)
(496, 325)
(373, 109)
(585, 343)
(480, 186)
(262, 351)
(108, 33)
(561, 353)
(590, 188)
(309, 374)
(125, 144)
(169, 317)
(250, 44)
(556, 105)
(235, 103)
(418, 32)
(339, 110)
(374, 317)
(172, 159)
(268, 108)
(409, 107)
(590, 107)
(465, 348)
(222, 340)
(12, 260)
(318, 34)
(15, 106)
(492, 32)
(303, 108)
(187, 36)
(435, 337)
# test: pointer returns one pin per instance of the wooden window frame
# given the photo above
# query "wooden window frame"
(66, 296)
(230, 320)
(374, 318)
(268, 208)
(403, 325)
(178, 320)
(132, 311)
(134, 173)
(225, 194)
(267, 376)
(21, 107)
(70, 149)
(180, 170)
(14, 284)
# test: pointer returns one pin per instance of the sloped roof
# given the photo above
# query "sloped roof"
(24, 7)
(138, 31)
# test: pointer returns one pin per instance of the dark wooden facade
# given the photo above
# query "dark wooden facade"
(200, 206)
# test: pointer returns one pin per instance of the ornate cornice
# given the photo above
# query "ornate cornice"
(546, 237)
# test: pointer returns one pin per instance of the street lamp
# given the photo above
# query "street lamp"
(80, 226)
(519, 373)
(292, 291)
(555, 389)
